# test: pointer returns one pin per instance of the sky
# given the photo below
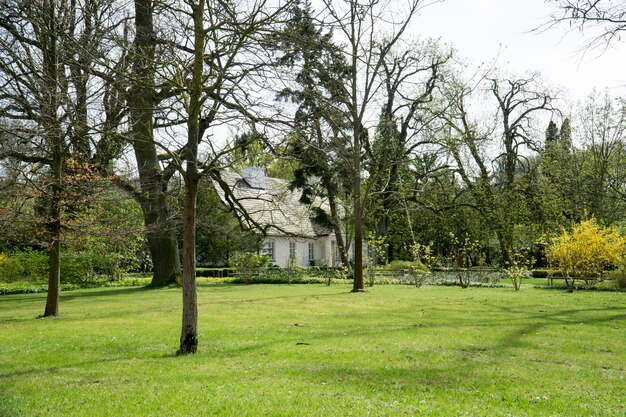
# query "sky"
(481, 30)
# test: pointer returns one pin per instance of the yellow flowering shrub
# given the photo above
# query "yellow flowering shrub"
(586, 251)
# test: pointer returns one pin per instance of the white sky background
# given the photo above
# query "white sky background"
(482, 30)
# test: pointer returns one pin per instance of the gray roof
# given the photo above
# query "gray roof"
(275, 208)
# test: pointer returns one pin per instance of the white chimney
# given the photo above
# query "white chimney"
(254, 176)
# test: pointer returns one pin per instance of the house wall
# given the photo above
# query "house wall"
(322, 254)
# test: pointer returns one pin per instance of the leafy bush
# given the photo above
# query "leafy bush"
(24, 265)
(621, 281)
(619, 277)
(399, 266)
(29, 288)
(246, 263)
(268, 279)
(77, 266)
(539, 273)
(212, 272)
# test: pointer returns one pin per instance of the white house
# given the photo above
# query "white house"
(290, 231)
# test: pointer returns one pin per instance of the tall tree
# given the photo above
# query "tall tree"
(497, 192)
(49, 55)
(561, 199)
(359, 25)
(217, 57)
(602, 128)
(153, 194)
(410, 78)
(322, 73)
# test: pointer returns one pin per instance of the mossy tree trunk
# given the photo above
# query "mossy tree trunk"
(154, 185)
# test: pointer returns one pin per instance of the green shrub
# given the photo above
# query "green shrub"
(274, 280)
(85, 266)
(619, 276)
(540, 273)
(29, 288)
(24, 265)
(76, 267)
(211, 272)
(399, 266)
(247, 263)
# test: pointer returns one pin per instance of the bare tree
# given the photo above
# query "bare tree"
(48, 57)
(491, 157)
(412, 77)
(216, 58)
(359, 24)
(605, 18)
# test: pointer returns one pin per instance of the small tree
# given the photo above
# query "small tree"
(423, 256)
(377, 250)
(293, 265)
(586, 252)
(517, 268)
(461, 254)
(248, 263)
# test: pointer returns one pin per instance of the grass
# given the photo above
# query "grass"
(311, 350)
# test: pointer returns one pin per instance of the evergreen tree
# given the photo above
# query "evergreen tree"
(552, 133)
(322, 153)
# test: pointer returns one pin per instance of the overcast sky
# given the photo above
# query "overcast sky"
(481, 30)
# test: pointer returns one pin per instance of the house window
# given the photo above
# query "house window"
(268, 249)
(311, 251)
(292, 250)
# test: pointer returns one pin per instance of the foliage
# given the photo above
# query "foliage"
(377, 249)
(399, 266)
(423, 253)
(212, 272)
(517, 269)
(24, 265)
(246, 263)
(464, 254)
(586, 251)
(423, 256)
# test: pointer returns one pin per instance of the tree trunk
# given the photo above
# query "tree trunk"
(165, 258)
(332, 202)
(55, 142)
(357, 131)
(189, 330)
(54, 232)
(160, 233)
(54, 278)
(505, 238)
(358, 285)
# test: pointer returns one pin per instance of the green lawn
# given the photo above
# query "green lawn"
(274, 350)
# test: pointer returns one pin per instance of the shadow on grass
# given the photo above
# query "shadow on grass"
(104, 292)
(514, 323)
(78, 293)
(461, 370)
